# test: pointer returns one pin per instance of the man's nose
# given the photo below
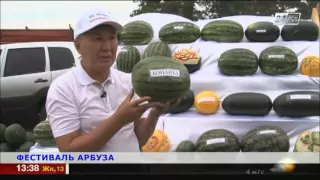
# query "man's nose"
(106, 45)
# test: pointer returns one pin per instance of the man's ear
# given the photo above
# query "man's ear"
(77, 45)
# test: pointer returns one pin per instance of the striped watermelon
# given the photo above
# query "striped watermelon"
(127, 58)
(238, 62)
(136, 33)
(218, 140)
(157, 49)
(278, 60)
(42, 134)
(223, 31)
(186, 146)
(161, 78)
(265, 139)
(179, 32)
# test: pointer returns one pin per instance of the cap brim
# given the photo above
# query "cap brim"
(114, 24)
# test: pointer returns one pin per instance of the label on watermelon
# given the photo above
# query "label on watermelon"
(206, 99)
(261, 31)
(216, 140)
(178, 27)
(164, 72)
(276, 56)
(300, 96)
(124, 50)
(268, 132)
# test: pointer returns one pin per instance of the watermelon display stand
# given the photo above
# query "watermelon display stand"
(190, 125)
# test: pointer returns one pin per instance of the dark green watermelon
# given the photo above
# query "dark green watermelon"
(179, 32)
(185, 104)
(218, 140)
(278, 60)
(15, 134)
(5, 147)
(297, 104)
(265, 139)
(246, 103)
(2, 129)
(25, 147)
(186, 146)
(238, 62)
(304, 31)
(30, 136)
(161, 78)
(263, 31)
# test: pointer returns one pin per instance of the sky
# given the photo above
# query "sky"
(56, 14)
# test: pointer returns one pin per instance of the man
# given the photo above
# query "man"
(92, 107)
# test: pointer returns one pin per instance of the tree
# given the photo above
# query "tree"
(182, 8)
(209, 9)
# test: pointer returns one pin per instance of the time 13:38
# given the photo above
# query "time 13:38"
(27, 167)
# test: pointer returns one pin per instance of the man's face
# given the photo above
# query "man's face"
(98, 47)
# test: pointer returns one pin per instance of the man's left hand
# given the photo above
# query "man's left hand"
(156, 112)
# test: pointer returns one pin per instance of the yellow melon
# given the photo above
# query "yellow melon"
(310, 66)
(207, 102)
(158, 142)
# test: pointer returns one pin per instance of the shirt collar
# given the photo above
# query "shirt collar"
(84, 79)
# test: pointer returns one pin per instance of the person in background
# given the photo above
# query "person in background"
(93, 107)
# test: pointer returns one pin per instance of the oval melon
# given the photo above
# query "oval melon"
(265, 139)
(161, 78)
(263, 31)
(246, 103)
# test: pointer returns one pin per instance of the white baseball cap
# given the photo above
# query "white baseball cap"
(92, 18)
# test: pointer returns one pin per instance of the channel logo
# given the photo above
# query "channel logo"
(286, 165)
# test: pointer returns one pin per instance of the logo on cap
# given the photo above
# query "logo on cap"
(98, 16)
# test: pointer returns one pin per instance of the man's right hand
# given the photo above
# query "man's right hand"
(132, 110)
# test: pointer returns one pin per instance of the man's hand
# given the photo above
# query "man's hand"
(132, 110)
(162, 108)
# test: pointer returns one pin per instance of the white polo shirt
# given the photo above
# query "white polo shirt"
(74, 102)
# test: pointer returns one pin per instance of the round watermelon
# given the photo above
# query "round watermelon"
(263, 31)
(304, 31)
(30, 136)
(157, 49)
(136, 33)
(179, 32)
(278, 60)
(218, 140)
(2, 130)
(15, 134)
(186, 103)
(42, 134)
(222, 31)
(238, 62)
(265, 139)
(161, 78)
(186, 146)
(127, 58)
(25, 147)
(5, 147)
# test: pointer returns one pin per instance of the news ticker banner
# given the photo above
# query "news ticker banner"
(34, 168)
(160, 158)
